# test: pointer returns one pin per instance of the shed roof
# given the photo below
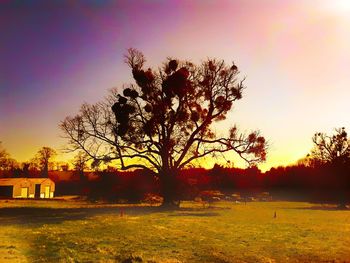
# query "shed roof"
(13, 181)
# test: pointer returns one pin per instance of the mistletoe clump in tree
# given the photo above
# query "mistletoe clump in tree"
(164, 122)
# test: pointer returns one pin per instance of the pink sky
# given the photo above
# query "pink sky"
(295, 55)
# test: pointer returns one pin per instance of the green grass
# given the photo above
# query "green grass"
(71, 231)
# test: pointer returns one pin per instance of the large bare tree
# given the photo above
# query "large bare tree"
(164, 122)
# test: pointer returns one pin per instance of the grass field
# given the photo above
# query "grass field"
(72, 231)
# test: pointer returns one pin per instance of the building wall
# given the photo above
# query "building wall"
(43, 193)
(17, 189)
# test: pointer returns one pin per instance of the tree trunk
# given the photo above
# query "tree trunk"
(169, 190)
(342, 199)
(45, 171)
(82, 176)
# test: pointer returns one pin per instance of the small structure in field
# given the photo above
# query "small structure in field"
(236, 197)
(152, 199)
(265, 196)
(211, 195)
(27, 188)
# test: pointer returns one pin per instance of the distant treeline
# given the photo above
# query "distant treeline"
(323, 182)
(299, 182)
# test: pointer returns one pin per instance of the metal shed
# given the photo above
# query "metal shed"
(27, 188)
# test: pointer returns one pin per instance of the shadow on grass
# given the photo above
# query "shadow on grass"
(321, 207)
(40, 215)
(46, 215)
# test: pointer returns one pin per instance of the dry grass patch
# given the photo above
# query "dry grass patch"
(225, 232)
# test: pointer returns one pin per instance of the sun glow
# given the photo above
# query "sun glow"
(338, 6)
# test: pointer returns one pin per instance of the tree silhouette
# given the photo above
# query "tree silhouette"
(333, 151)
(43, 157)
(331, 148)
(4, 156)
(80, 164)
(165, 121)
(6, 162)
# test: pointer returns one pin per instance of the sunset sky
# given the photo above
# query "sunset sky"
(55, 55)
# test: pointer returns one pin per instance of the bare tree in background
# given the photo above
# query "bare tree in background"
(80, 163)
(333, 152)
(164, 122)
(3, 157)
(43, 158)
(331, 148)
(6, 162)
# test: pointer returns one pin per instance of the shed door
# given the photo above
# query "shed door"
(6, 191)
(37, 190)
(47, 191)
(24, 192)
